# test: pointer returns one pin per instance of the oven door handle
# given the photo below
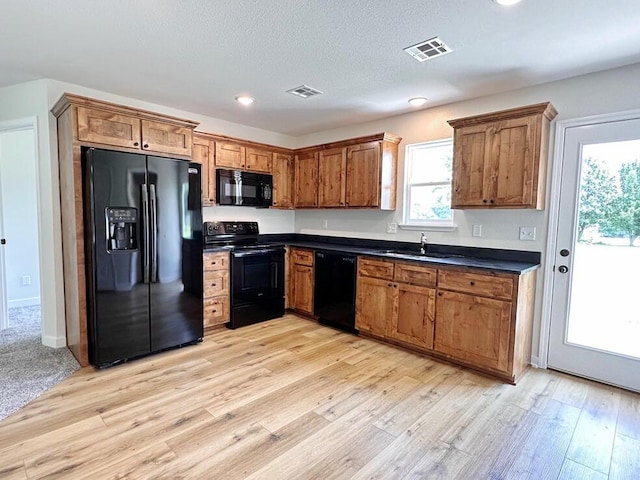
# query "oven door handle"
(248, 253)
(274, 275)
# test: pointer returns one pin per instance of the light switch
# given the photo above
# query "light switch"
(477, 231)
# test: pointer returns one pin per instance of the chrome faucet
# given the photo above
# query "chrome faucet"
(423, 243)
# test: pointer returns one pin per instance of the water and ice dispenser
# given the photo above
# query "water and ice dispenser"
(121, 228)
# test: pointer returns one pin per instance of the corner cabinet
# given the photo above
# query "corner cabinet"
(500, 158)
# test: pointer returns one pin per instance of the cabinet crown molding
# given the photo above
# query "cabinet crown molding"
(69, 99)
(546, 109)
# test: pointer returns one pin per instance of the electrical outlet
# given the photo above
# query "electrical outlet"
(392, 228)
(477, 231)
(325, 223)
(528, 233)
(26, 280)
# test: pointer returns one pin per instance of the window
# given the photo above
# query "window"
(427, 195)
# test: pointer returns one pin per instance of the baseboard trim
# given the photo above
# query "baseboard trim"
(24, 302)
(54, 342)
(535, 362)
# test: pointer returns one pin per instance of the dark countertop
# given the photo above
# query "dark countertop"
(497, 260)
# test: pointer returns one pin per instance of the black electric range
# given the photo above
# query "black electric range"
(257, 271)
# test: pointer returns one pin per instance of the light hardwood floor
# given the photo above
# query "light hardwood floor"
(291, 399)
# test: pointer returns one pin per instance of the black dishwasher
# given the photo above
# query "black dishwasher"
(335, 290)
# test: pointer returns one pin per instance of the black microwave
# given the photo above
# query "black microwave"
(246, 189)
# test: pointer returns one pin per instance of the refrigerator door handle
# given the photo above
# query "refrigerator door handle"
(154, 234)
(145, 233)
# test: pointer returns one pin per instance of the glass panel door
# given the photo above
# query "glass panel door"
(595, 325)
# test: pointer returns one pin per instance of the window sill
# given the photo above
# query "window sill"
(433, 228)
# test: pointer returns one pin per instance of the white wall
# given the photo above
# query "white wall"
(270, 220)
(604, 92)
(20, 215)
(28, 102)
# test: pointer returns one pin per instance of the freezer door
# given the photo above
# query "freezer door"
(176, 252)
(116, 253)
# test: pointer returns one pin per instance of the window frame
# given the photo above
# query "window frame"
(407, 223)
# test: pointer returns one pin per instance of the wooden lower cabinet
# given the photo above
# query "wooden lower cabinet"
(375, 301)
(413, 322)
(398, 310)
(302, 272)
(473, 317)
(215, 296)
(474, 329)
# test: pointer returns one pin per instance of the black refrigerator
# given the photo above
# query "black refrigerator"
(143, 252)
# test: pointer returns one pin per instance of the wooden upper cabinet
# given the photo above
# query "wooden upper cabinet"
(500, 158)
(100, 126)
(230, 155)
(98, 123)
(203, 152)
(258, 160)
(306, 179)
(166, 138)
(364, 174)
(332, 164)
(283, 180)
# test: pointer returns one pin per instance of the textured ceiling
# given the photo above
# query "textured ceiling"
(196, 55)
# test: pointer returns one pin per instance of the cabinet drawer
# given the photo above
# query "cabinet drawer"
(216, 311)
(477, 284)
(215, 261)
(216, 282)
(416, 274)
(369, 267)
(302, 257)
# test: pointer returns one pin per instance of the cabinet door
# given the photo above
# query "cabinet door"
(472, 147)
(332, 165)
(473, 329)
(303, 288)
(257, 160)
(283, 180)
(413, 322)
(375, 303)
(513, 167)
(307, 180)
(166, 138)
(229, 155)
(363, 175)
(203, 153)
(99, 126)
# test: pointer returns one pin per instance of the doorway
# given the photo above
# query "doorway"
(19, 250)
(595, 323)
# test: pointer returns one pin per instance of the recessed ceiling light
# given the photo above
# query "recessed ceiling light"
(245, 99)
(417, 101)
(507, 3)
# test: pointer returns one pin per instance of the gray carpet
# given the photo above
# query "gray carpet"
(28, 368)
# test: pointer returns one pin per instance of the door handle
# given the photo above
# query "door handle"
(154, 234)
(563, 269)
(145, 233)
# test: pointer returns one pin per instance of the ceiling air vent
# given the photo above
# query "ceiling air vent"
(427, 50)
(304, 91)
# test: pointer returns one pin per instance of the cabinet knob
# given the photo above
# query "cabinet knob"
(493, 201)
(439, 294)
(484, 200)
(388, 284)
(146, 145)
(213, 263)
(213, 284)
(214, 311)
(135, 144)
(275, 203)
(472, 283)
(341, 203)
